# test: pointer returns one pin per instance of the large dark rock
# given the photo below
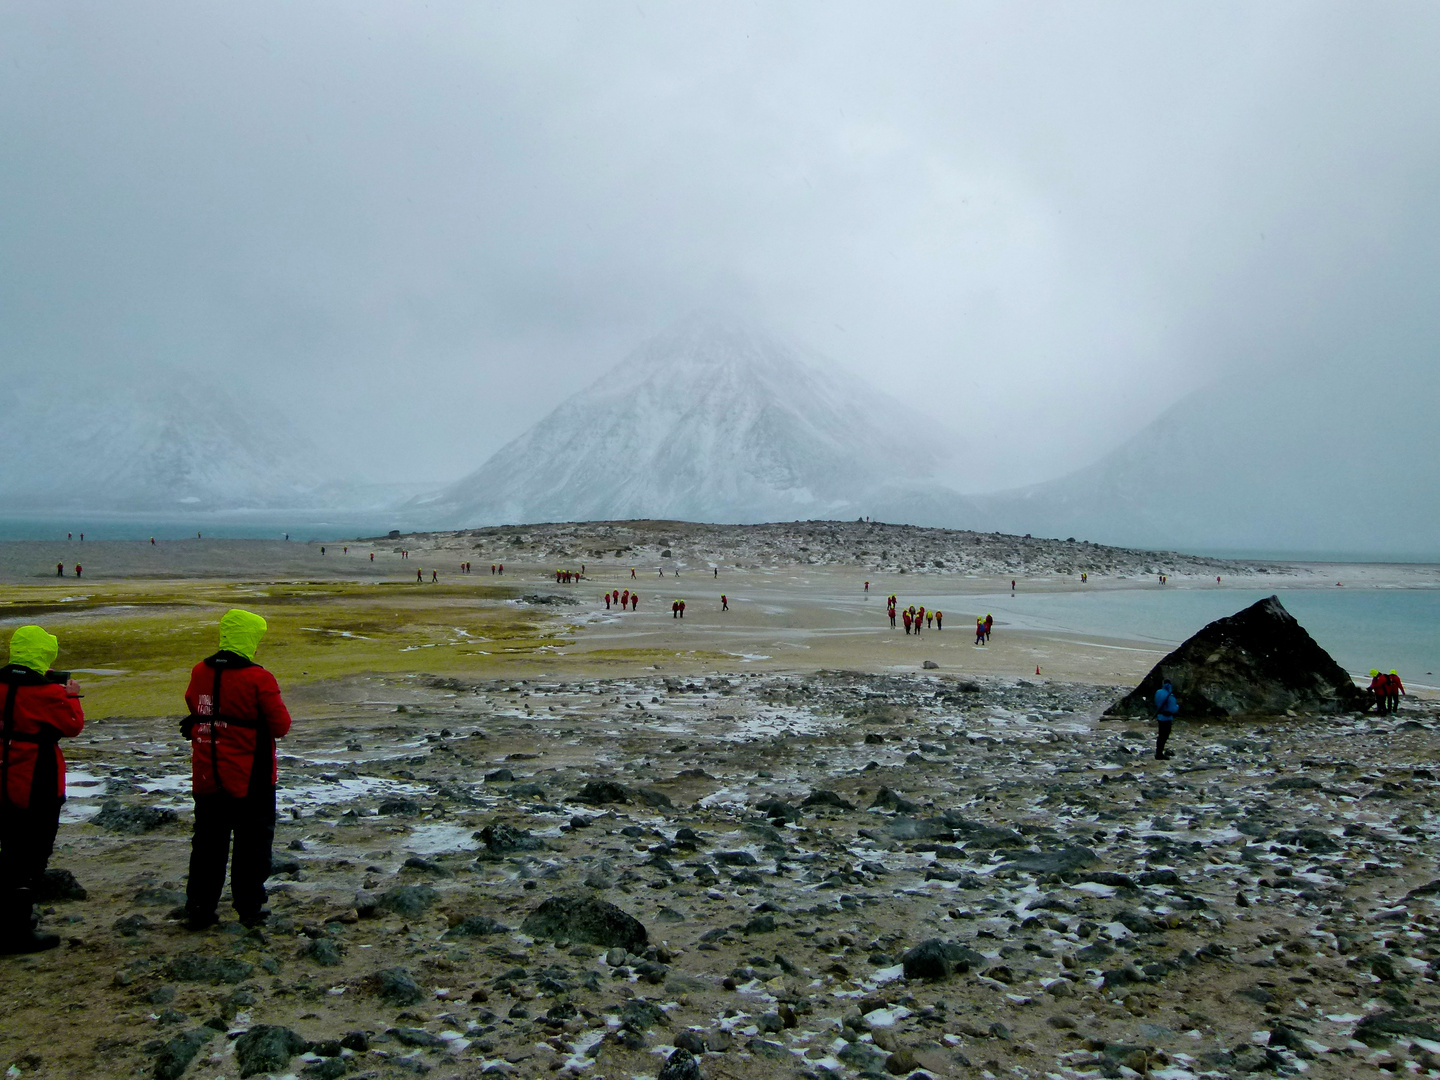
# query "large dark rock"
(502, 839)
(1059, 861)
(1257, 662)
(409, 901)
(175, 1056)
(267, 1048)
(680, 1065)
(936, 959)
(395, 985)
(132, 819)
(58, 884)
(583, 919)
(600, 792)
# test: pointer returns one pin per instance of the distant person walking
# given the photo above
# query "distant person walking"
(79, 570)
(939, 620)
(59, 569)
(682, 609)
(1166, 706)
(419, 574)
(632, 573)
(724, 602)
(607, 601)
(434, 575)
(989, 626)
(635, 601)
(674, 609)
(908, 619)
(979, 631)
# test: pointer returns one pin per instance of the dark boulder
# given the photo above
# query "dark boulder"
(600, 792)
(267, 1048)
(175, 1056)
(936, 959)
(502, 839)
(476, 926)
(885, 799)
(59, 884)
(408, 901)
(586, 920)
(681, 1065)
(1257, 662)
(132, 819)
(395, 985)
(827, 798)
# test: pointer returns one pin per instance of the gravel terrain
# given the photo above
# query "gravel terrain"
(756, 874)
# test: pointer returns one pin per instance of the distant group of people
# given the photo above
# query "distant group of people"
(235, 714)
(916, 617)
(677, 609)
(497, 569)
(1385, 690)
(60, 569)
(569, 577)
(626, 600)
(983, 627)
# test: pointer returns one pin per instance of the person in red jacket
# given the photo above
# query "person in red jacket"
(908, 620)
(236, 714)
(38, 711)
(1393, 689)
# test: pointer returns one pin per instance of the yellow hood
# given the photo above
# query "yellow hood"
(32, 647)
(240, 632)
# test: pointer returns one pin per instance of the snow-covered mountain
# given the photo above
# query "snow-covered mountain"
(165, 443)
(1326, 459)
(717, 421)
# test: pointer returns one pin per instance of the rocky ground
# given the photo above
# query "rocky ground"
(824, 875)
(876, 547)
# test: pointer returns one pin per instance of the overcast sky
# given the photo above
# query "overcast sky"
(420, 226)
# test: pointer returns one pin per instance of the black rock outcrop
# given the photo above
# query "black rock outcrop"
(1257, 662)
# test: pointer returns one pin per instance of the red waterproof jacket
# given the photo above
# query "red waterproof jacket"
(1393, 685)
(37, 714)
(237, 739)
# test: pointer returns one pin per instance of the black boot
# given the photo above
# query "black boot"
(17, 933)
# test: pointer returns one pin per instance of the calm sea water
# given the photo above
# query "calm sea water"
(256, 525)
(1360, 628)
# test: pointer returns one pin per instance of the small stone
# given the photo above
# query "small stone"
(901, 1062)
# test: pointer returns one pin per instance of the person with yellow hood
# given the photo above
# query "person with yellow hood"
(236, 714)
(40, 708)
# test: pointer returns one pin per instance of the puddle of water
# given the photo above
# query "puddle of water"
(438, 839)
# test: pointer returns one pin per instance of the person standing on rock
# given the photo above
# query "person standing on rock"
(1166, 706)
(38, 712)
(236, 714)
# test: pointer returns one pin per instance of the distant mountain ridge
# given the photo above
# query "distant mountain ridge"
(714, 420)
(165, 444)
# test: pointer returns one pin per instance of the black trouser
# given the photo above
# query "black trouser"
(252, 820)
(27, 837)
(1164, 736)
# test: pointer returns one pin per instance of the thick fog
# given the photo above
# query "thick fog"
(417, 228)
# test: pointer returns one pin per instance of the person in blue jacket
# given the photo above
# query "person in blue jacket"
(1166, 706)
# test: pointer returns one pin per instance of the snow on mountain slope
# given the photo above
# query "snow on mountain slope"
(165, 444)
(711, 421)
(1328, 459)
